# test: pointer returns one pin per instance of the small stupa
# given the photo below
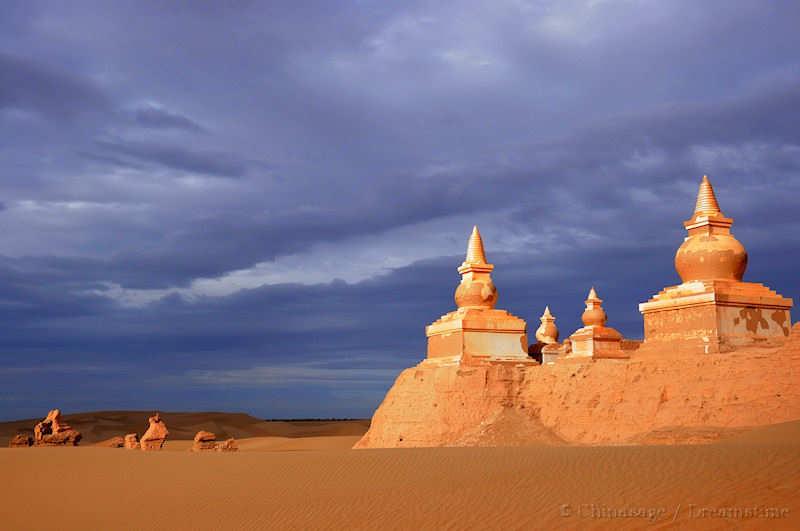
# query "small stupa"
(547, 332)
(546, 348)
(477, 332)
(713, 309)
(595, 339)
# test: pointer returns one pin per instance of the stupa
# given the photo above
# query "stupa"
(595, 339)
(713, 310)
(546, 336)
(547, 332)
(477, 332)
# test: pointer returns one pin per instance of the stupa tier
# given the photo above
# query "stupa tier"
(713, 310)
(477, 332)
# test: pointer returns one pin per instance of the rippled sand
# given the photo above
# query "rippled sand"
(317, 482)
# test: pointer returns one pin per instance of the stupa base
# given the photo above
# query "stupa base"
(713, 316)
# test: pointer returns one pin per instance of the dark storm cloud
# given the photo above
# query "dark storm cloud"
(25, 84)
(149, 146)
(178, 158)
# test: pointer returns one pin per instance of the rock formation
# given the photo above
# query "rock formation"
(718, 357)
(205, 441)
(113, 442)
(228, 445)
(156, 434)
(20, 440)
(53, 431)
(131, 441)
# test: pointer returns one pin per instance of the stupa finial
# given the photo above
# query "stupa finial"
(593, 295)
(475, 252)
(706, 200)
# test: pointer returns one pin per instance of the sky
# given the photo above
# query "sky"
(258, 206)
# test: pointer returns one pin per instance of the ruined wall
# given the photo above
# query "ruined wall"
(660, 395)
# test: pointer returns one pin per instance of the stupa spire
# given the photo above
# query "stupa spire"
(476, 289)
(593, 295)
(475, 252)
(706, 200)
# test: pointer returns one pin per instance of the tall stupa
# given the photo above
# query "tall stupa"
(713, 310)
(477, 332)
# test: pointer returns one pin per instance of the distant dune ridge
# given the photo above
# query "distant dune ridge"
(99, 426)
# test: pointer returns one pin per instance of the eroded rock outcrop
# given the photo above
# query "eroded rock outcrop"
(53, 431)
(156, 435)
(113, 442)
(228, 445)
(21, 440)
(205, 441)
(131, 441)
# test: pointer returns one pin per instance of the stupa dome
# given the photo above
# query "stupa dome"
(594, 314)
(710, 251)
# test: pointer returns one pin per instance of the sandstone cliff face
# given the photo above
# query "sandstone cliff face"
(658, 396)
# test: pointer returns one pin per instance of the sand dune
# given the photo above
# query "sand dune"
(100, 425)
(317, 483)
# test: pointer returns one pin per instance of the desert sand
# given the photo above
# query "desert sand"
(306, 477)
